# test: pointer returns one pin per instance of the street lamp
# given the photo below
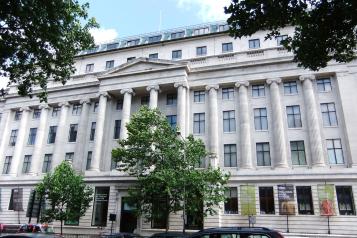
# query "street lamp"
(184, 184)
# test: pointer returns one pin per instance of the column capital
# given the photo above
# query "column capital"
(43, 106)
(273, 80)
(180, 84)
(103, 94)
(212, 86)
(25, 109)
(63, 104)
(305, 77)
(242, 83)
(84, 101)
(153, 87)
(127, 90)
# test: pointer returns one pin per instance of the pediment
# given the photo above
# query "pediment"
(142, 65)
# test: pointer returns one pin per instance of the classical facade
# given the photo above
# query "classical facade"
(288, 136)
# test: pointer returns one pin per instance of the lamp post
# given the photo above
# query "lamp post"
(184, 185)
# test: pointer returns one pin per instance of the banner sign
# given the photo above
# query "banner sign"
(326, 194)
(247, 200)
(33, 206)
(16, 200)
(286, 199)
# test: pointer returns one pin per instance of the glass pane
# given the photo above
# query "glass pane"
(331, 156)
(339, 156)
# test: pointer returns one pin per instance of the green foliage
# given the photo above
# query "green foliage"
(67, 195)
(39, 39)
(165, 166)
(324, 30)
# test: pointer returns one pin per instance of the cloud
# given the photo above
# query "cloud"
(209, 10)
(3, 81)
(102, 35)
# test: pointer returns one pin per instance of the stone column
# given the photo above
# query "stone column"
(37, 157)
(61, 138)
(5, 123)
(181, 107)
(99, 130)
(213, 123)
(20, 142)
(154, 95)
(279, 142)
(244, 125)
(313, 124)
(80, 155)
(128, 94)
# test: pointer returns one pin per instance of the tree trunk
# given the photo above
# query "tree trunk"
(61, 227)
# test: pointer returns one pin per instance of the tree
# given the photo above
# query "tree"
(165, 168)
(324, 30)
(67, 194)
(39, 39)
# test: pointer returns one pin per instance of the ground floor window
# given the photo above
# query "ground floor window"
(159, 218)
(304, 199)
(346, 205)
(100, 206)
(231, 204)
(194, 220)
(266, 198)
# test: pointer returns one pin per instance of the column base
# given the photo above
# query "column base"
(281, 166)
(318, 165)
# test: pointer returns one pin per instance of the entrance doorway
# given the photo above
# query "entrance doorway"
(128, 219)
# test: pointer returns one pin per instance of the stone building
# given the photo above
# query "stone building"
(282, 132)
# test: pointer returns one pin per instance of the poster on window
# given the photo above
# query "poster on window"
(16, 200)
(100, 206)
(326, 199)
(286, 199)
(247, 200)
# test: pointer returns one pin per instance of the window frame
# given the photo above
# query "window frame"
(231, 202)
(89, 68)
(36, 113)
(55, 111)
(172, 120)
(230, 155)
(13, 137)
(32, 136)
(227, 47)
(176, 54)
(328, 114)
(293, 116)
(229, 119)
(321, 85)
(258, 90)
(199, 122)
(76, 109)
(69, 156)
(109, 64)
(73, 131)
(89, 160)
(334, 148)
(227, 93)
(260, 120)
(266, 200)
(298, 151)
(280, 38)
(347, 194)
(92, 131)
(265, 153)
(304, 196)
(154, 56)
(290, 88)
(26, 166)
(199, 96)
(171, 99)
(47, 163)
(7, 165)
(201, 51)
(52, 132)
(117, 127)
(253, 43)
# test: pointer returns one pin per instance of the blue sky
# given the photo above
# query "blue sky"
(120, 18)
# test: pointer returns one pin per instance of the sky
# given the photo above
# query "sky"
(121, 18)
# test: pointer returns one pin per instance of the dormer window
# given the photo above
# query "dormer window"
(112, 46)
(132, 42)
(201, 31)
(153, 39)
(177, 35)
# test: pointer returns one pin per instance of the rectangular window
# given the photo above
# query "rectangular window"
(77, 109)
(73, 129)
(329, 116)
(260, 119)
(224, 27)
(263, 154)
(304, 200)
(230, 155)
(129, 59)
(201, 51)
(171, 99)
(56, 111)
(69, 157)
(334, 150)
(199, 123)
(119, 105)
(280, 38)
(154, 56)
(113, 164)
(172, 120)
(112, 46)
(13, 137)
(294, 116)
(145, 100)
(324, 85)
(258, 90)
(153, 39)
(159, 221)
(227, 93)
(92, 131)
(18, 115)
(52, 135)
(89, 68)
(36, 113)
(7, 165)
(132, 42)
(227, 47)
(266, 200)
(290, 88)
(89, 160)
(109, 64)
(176, 54)
(32, 136)
(201, 31)
(231, 203)
(117, 125)
(95, 106)
(345, 200)
(47, 163)
(298, 152)
(254, 44)
(177, 35)
(229, 121)
(100, 207)
(199, 96)
(27, 164)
